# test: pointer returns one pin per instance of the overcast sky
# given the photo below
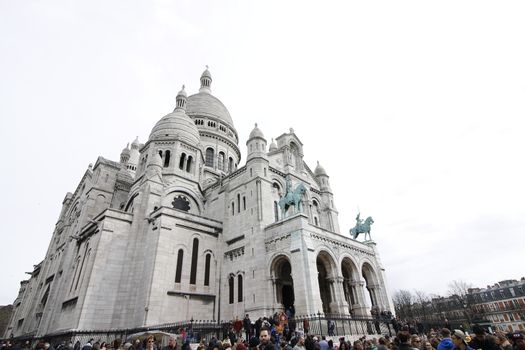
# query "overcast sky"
(414, 108)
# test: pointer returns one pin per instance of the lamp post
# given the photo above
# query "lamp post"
(320, 326)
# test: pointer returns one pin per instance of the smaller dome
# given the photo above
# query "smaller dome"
(319, 170)
(273, 146)
(206, 81)
(182, 92)
(256, 132)
(181, 99)
(206, 73)
(126, 150)
(135, 144)
(176, 124)
(124, 176)
(156, 160)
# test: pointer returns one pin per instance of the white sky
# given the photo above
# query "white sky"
(414, 108)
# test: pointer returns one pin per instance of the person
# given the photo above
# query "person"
(300, 344)
(415, 341)
(247, 324)
(404, 341)
(150, 343)
(481, 341)
(88, 345)
(323, 344)
(518, 340)
(172, 344)
(460, 340)
(331, 328)
(382, 344)
(306, 326)
(446, 342)
(502, 341)
(253, 343)
(427, 346)
(265, 343)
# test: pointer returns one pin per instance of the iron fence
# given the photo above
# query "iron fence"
(195, 331)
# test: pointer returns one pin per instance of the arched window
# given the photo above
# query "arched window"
(207, 270)
(233, 208)
(178, 272)
(194, 256)
(239, 288)
(238, 203)
(210, 154)
(243, 203)
(189, 164)
(220, 161)
(182, 160)
(230, 164)
(230, 285)
(167, 159)
(276, 211)
(316, 212)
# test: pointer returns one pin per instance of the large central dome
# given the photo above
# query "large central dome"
(206, 105)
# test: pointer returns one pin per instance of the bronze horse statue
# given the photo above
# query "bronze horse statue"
(292, 198)
(362, 228)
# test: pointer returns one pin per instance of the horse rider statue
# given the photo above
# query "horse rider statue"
(292, 197)
(362, 227)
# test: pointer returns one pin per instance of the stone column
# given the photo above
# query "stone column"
(340, 305)
(360, 309)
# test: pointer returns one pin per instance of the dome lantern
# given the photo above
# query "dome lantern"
(181, 99)
(206, 81)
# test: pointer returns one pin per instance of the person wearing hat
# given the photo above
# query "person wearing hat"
(460, 340)
(481, 341)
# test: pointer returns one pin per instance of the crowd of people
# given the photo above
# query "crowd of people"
(276, 334)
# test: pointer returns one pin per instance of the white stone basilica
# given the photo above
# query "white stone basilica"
(178, 229)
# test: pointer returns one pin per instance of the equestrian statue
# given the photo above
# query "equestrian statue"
(362, 227)
(292, 197)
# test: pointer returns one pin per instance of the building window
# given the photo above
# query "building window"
(230, 288)
(207, 270)
(182, 160)
(276, 211)
(233, 208)
(239, 288)
(189, 164)
(244, 203)
(230, 164)
(181, 203)
(220, 161)
(210, 154)
(238, 203)
(167, 159)
(194, 257)
(178, 272)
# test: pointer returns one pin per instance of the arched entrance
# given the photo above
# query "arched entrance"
(325, 277)
(372, 285)
(349, 272)
(283, 281)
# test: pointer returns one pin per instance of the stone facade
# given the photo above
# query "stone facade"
(177, 229)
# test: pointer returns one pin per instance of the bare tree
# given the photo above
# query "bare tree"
(403, 300)
(459, 288)
(421, 299)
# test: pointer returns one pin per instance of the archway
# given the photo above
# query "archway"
(325, 277)
(283, 281)
(349, 272)
(372, 285)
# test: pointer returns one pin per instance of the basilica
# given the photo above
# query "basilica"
(178, 229)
